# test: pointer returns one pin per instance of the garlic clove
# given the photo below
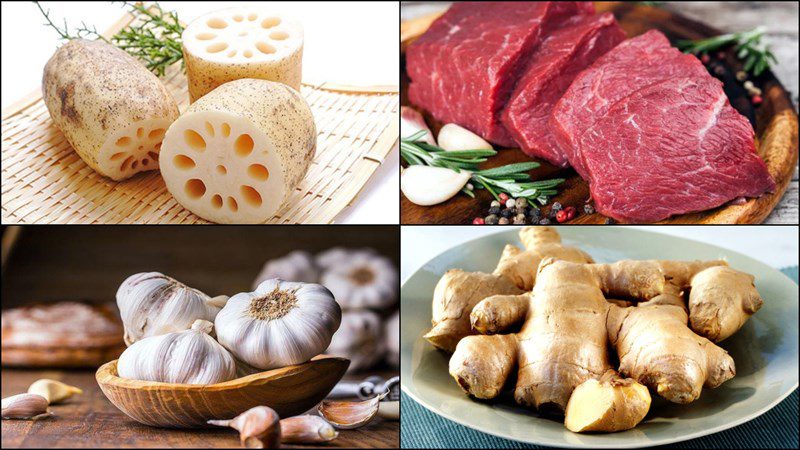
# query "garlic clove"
(25, 406)
(258, 427)
(306, 429)
(53, 390)
(412, 122)
(453, 137)
(427, 185)
(346, 415)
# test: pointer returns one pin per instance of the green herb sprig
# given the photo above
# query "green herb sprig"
(511, 179)
(155, 37)
(757, 56)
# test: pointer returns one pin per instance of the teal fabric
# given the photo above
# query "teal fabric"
(775, 429)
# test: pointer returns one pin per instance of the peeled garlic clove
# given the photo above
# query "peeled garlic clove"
(258, 427)
(426, 185)
(346, 415)
(412, 122)
(25, 406)
(389, 410)
(306, 429)
(453, 137)
(54, 391)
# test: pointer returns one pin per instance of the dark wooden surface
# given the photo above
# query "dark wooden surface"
(778, 144)
(48, 263)
(89, 420)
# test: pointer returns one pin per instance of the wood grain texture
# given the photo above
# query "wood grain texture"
(89, 420)
(776, 128)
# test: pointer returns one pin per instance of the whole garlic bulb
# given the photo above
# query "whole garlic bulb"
(360, 278)
(296, 266)
(186, 357)
(279, 324)
(360, 339)
(151, 304)
(392, 336)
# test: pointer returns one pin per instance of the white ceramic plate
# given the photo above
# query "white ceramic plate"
(765, 349)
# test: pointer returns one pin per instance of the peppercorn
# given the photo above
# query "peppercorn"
(571, 212)
(588, 208)
(519, 219)
(478, 221)
(557, 207)
(561, 216)
(535, 214)
(503, 197)
(511, 203)
(522, 203)
(610, 221)
(495, 210)
(495, 203)
(491, 220)
(503, 221)
(544, 222)
(506, 213)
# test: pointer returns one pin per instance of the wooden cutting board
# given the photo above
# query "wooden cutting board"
(775, 122)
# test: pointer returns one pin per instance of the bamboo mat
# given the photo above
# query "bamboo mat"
(45, 181)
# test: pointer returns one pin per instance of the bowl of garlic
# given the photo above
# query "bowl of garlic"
(192, 358)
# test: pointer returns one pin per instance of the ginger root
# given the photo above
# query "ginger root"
(721, 301)
(563, 340)
(457, 292)
(656, 347)
(609, 404)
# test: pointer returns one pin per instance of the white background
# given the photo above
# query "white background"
(353, 43)
(775, 246)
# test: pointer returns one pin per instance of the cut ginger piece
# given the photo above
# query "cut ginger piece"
(609, 404)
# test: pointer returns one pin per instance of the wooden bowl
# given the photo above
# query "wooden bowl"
(288, 390)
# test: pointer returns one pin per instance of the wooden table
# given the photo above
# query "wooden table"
(89, 420)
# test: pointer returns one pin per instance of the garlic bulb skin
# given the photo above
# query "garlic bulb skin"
(360, 278)
(296, 266)
(279, 324)
(151, 304)
(184, 357)
(360, 339)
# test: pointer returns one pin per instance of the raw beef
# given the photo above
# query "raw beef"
(464, 67)
(655, 136)
(555, 64)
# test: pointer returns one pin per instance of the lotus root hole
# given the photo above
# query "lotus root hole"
(216, 48)
(251, 196)
(232, 205)
(216, 201)
(270, 22)
(258, 172)
(222, 170)
(265, 48)
(279, 35)
(123, 141)
(226, 129)
(117, 156)
(194, 140)
(244, 145)
(157, 134)
(217, 23)
(195, 188)
(183, 162)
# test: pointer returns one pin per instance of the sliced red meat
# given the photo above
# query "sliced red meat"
(655, 136)
(559, 59)
(465, 66)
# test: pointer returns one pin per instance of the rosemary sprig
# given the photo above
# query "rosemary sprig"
(511, 179)
(757, 56)
(155, 37)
